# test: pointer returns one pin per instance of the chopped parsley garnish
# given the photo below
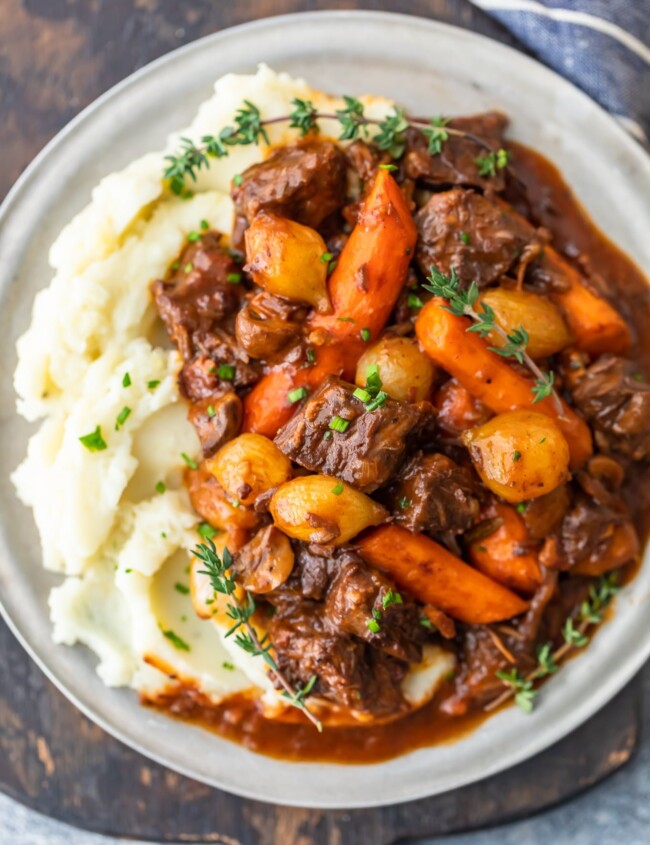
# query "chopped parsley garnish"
(516, 455)
(188, 268)
(521, 507)
(414, 301)
(297, 395)
(426, 623)
(211, 411)
(193, 237)
(160, 487)
(229, 666)
(338, 489)
(464, 237)
(176, 641)
(181, 588)
(126, 381)
(207, 531)
(388, 167)
(191, 464)
(233, 278)
(163, 534)
(377, 402)
(362, 395)
(238, 179)
(326, 257)
(373, 626)
(339, 424)
(226, 372)
(311, 355)
(122, 417)
(403, 503)
(373, 380)
(94, 441)
(366, 335)
(204, 225)
(153, 384)
(391, 597)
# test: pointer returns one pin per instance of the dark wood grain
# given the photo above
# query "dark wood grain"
(56, 56)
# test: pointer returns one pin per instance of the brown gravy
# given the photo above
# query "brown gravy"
(553, 205)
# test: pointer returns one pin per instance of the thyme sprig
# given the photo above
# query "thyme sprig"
(574, 633)
(250, 128)
(462, 303)
(219, 571)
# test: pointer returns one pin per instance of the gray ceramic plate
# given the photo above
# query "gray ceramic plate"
(431, 69)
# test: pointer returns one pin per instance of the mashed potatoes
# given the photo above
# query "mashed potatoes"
(117, 523)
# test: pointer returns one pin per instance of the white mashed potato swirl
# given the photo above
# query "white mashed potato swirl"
(122, 545)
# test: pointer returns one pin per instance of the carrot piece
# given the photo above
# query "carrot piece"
(363, 290)
(268, 407)
(371, 269)
(436, 576)
(508, 554)
(489, 377)
(596, 326)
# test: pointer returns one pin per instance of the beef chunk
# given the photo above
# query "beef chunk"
(348, 671)
(198, 294)
(456, 163)
(472, 234)
(476, 683)
(216, 419)
(591, 534)
(315, 567)
(616, 401)
(433, 493)
(368, 452)
(267, 325)
(363, 602)
(218, 364)
(305, 181)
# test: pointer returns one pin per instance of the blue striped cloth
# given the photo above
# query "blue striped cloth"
(603, 46)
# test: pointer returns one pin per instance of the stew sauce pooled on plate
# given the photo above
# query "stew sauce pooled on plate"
(418, 374)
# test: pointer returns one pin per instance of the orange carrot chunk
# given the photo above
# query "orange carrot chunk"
(371, 269)
(508, 555)
(435, 576)
(490, 377)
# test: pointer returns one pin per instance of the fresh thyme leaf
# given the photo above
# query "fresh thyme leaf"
(351, 119)
(126, 381)
(436, 134)
(546, 664)
(573, 636)
(153, 384)
(338, 489)
(183, 589)
(414, 301)
(391, 133)
(160, 487)
(226, 372)
(366, 335)
(233, 278)
(391, 597)
(373, 626)
(207, 531)
(403, 503)
(543, 387)
(94, 441)
(303, 117)
(489, 163)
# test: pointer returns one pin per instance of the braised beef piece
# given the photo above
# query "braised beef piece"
(472, 234)
(216, 419)
(349, 672)
(476, 682)
(197, 295)
(433, 493)
(363, 602)
(456, 164)
(314, 569)
(267, 325)
(365, 160)
(371, 448)
(615, 399)
(218, 364)
(591, 533)
(305, 181)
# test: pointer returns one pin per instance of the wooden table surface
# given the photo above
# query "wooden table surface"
(57, 56)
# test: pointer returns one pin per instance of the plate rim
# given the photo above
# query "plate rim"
(624, 670)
